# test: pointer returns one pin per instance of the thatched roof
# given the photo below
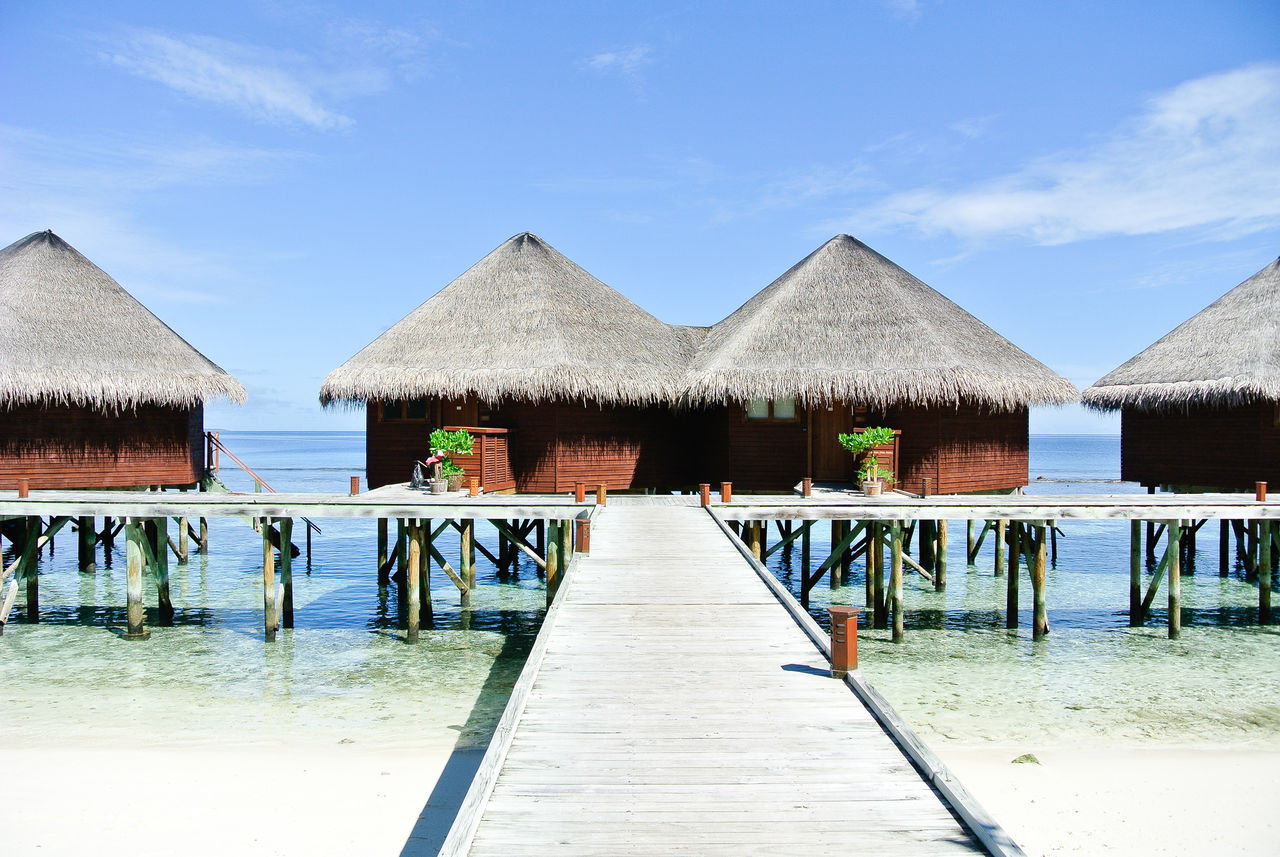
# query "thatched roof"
(1227, 354)
(847, 324)
(523, 322)
(69, 334)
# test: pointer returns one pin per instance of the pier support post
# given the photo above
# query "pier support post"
(184, 540)
(30, 566)
(837, 535)
(467, 558)
(402, 553)
(88, 542)
(269, 619)
(969, 541)
(108, 539)
(1264, 574)
(158, 537)
(846, 557)
(1001, 537)
(876, 548)
(286, 572)
(940, 565)
(384, 573)
(869, 559)
(927, 530)
(1175, 579)
(135, 612)
(754, 539)
(1224, 548)
(1135, 573)
(553, 560)
(204, 536)
(424, 583)
(413, 574)
(1040, 612)
(804, 551)
(895, 580)
(1015, 564)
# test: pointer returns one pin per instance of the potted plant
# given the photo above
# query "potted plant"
(448, 474)
(871, 476)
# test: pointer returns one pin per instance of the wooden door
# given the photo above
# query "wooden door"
(831, 461)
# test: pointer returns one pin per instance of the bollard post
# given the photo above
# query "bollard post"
(726, 492)
(473, 486)
(355, 485)
(582, 537)
(1260, 491)
(844, 640)
(602, 494)
(704, 493)
(926, 484)
(579, 492)
(806, 487)
(24, 488)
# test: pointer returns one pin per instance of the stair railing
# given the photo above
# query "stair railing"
(215, 448)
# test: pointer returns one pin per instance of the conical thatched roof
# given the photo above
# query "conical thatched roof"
(845, 323)
(1227, 354)
(523, 322)
(69, 334)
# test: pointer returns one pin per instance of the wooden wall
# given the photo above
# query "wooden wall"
(77, 447)
(1222, 448)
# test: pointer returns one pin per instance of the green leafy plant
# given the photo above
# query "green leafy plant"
(448, 468)
(452, 443)
(861, 443)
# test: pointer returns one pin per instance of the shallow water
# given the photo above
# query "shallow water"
(961, 676)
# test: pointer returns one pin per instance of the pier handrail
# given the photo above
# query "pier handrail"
(217, 447)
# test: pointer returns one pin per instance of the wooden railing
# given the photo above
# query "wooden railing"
(490, 460)
(215, 448)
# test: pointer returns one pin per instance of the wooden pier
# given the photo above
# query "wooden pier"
(673, 705)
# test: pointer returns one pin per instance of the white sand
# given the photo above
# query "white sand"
(244, 801)
(1131, 800)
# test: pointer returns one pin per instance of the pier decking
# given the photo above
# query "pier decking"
(673, 706)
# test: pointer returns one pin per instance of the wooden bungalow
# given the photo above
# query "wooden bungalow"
(1200, 408)
(95, 391)
(563, 376)
(845, 339)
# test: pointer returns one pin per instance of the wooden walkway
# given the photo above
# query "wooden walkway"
(673, 706)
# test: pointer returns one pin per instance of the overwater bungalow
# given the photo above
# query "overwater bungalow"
(95, 391)
(848, 339)
(1200, 408)
(563, 379)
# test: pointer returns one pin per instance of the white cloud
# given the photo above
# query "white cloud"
(626, 62)
(1205, 154)
(908, 10)
(225, 73)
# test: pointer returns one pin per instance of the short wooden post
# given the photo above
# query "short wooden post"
(602, 495)
(1015, 564)
(134, 560)
(1260, 492)
(467, 558)
(1224, 548)
(87, 544)
(158, 533)
(1002, 527)
(24, 488)
(582, 536)
(1175, 579)
(1264, 569)
(355, 485)
(1040, 612)
(1135, 573)
(881, 607)
(413, 582)
(940, 564)
(286, 571)
(473, 486)
(726, 492)
(384, 573)
(580, 492)
(270, 621)
(895, 582)
(844, 640)
(704, 493)
(553, 560)
(806, 490)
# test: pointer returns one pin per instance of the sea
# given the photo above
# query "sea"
(343, 673)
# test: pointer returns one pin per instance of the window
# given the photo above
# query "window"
(414, 409)
(780, 410)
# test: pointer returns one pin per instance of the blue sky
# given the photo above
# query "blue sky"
(282, 181)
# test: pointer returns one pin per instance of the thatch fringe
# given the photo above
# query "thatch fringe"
(1227, 354)
(70, 335)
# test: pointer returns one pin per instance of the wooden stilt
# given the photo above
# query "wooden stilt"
(540, 533)
(869, 558)
(31, 568)
(928, 544)
(970, 541)
(1175, 579)
(837, 535)
(384, 572)
(804, 551)
(204, 535)
(270, 620)
(413, 581)
(754, 539)
(1151, 538)
(467, 558)
(184, 540)
(566, 546)
(895, 581)
(553, 560)
(1264, 574)
(1015, 555)
(286, 572)
(1053, 543)
(881, 606)
(87, 543)
(1224, 548)
(158, 531)
(402, 552)
(424, 581)
(1001, 537)
(108, 539)
(1135, 573)
(846, 556)
(940, 564)
(135, 611)
(1040, 611)
(1253, 549)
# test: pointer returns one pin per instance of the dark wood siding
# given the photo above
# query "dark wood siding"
(392, 446)
(1222, 448)
(763, 455)
(77, 447)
